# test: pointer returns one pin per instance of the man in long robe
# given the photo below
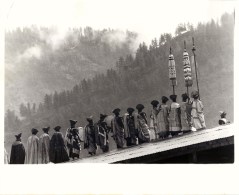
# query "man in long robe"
(69, 138)
(163, 122)
(154, 125)
(76, 144)
(18, 151)
(197, 112)
(58, 151)
(90, 137)
(118, 129)
(32, 148)
(143, 129)
(44, 146)
(186, 117)
(102, 131)
(130, 130)
(174, 116)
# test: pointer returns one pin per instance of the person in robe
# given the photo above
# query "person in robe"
(90, 137)
(69, 138)
(18, 153)
(102, 133)
(131, 133)
(76, 144)
(197, 112)
(186, 117)
(58, 151)
(118, 129)
(32, 148)
(142, 127)
(223, 120)
(154, 125)
(44, 146)
(174, 116)
(163, 115)
(6, 161)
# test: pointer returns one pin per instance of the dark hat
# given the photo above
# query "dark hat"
(130, 110)
(173, 97)
(223, 113)
(57, 128)
(46, 129)
(164, 99)
(185, 96)
(34, 131)
(102, 116)
(89, 119)
(195, 94)
(140, 107)
(73, 122)
(155, 102)
(116, 110)
(18, 136)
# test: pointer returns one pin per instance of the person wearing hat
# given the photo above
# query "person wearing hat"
(197, 112)
(32, 148)
(118, 129)
(44, 146)
(130, 130)
(174, 116)
(58, 153)
(69, 138)
(91, 138)
(163, 122)
(186, 117)
(102, 133)
(141, 125)
(154, 126)
(223, 120)
(18, 151)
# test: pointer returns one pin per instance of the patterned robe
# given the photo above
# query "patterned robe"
(130, 130)
(174, 117)
(90, 139)
(102, 135)
(154, 124)
(44, 147)
(17, 153)
(186, 118)
(118, 131)
(58, 151)
(32, 150)
(163, 122)
(197, 114)
(142, 127)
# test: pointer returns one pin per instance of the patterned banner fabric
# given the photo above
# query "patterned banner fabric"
(187, 69)
(171, 66)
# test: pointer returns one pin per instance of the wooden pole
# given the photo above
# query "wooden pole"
(196, 70)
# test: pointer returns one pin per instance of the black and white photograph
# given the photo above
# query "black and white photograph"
(118, 82)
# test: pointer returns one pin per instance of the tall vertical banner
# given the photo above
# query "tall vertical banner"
(187, 68)
(172, 70)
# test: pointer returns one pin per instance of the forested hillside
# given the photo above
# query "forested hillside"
(142, 78)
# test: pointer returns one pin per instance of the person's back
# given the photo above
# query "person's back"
(32, 148)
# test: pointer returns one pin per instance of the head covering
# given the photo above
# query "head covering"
(18, 136)
(46, 129)
(223, 113)
(57, 128)
(89, 119)
(130, 110)
(73, 122)
(155, 102)
(194, 94)
(173, 97)
(140, 107)
(34, 131)
(185, 96)
(102, 116)
(116, 110)
(164, 99)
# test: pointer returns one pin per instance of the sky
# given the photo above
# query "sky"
(149, 18)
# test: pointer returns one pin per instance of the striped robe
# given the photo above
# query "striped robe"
(174, 117)
(142, 127)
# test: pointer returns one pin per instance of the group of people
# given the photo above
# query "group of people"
(131, 129)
